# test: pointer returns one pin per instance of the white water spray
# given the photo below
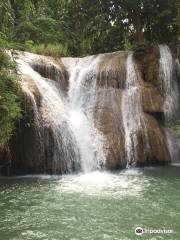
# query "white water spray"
(132, 113)
(82, 99)
(168, 85)
(70, 119)
(171, 96)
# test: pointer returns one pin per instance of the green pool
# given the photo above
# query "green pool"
(93, 206)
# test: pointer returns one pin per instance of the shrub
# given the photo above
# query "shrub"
(177, 128)
(10, 111)
(54, 50)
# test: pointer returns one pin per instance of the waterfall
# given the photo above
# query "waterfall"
(133, 119)
(96, 112)
(169, 86)
(76, 142)
(170, 93)
(54, 117)
(82, 99)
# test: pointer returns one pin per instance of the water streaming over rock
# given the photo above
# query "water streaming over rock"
(53, 112)
(82, 99)
(169, 88)
(75, 142)
(132, 112)
(168, 84)
(97, 112)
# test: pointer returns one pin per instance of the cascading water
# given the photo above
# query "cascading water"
(76, 142)
(170, 93)
(54, 117)
(168, 83)
(96, 112)
(133, 119)
(82, 99)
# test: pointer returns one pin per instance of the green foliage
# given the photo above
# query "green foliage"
(80, 27)
(127, 44)
(10, 110)
(6, 17)
(177, 18)
(49, 50)
(177, 128)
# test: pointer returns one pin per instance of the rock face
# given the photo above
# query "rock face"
(108, 120)
(111, 78)
(50, 70)
(46, 139)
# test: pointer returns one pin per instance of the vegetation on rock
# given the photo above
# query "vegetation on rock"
(177, 128)
(10, 110)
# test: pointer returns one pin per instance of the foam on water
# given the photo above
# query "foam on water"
(104, 184)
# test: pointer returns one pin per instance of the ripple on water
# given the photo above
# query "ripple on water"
(104, 184)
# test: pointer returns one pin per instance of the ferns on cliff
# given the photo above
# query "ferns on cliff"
(10, 110)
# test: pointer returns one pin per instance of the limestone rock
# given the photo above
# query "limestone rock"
(112, 70)
(108, 120)
(33, 148)
(152, 101)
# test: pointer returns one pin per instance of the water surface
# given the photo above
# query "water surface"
(94, 206)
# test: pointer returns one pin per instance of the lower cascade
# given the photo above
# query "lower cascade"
(106, 111)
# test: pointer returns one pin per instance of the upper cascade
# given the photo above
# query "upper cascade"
(106, 111)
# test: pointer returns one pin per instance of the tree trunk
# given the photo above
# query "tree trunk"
(136, 19)
(178, 20)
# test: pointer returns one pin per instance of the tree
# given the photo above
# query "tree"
(6, 17)
(90, 26)
(177, 18)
